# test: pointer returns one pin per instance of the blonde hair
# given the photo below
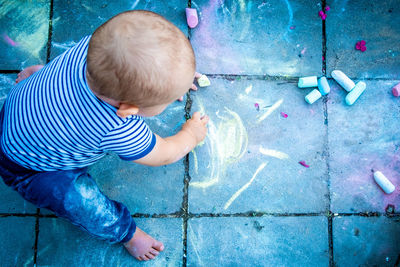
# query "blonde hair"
(138, 57)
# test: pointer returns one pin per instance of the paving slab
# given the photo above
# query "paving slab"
(258, 37)
(362, 137)
(227, 172)
(18, 236)
(375, 22)
(264, 241)
(24, 29)
(145, 189)
(62, 244)
(11, 201)
(68, 19)
(366, 241)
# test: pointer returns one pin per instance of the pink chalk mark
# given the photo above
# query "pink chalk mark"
(303, 51)
(396, 90)
(303, 163)
(327, 8)
(9, 41)
(361, 46)
(323, 17)
(292, 27)
(257, 106)
(323, 58)
(321, 13)
(191, 17)
(283, 114)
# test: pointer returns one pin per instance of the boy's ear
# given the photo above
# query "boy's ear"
(126, 110)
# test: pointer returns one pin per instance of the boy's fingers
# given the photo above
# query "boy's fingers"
(196, 115)
(181, 98)
(205, 119)
(197, 75)
(193, 87)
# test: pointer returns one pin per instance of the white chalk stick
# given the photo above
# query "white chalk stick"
(323, 86)
(383, 182)
(343, 80)
(313, 96)
(355, 93)
(310, 81)
(203, 81)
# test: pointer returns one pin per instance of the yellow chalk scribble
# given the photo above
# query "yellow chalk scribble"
(270, 110)
(226, 143)
(248, 89)
(273, 153)
(229, 202)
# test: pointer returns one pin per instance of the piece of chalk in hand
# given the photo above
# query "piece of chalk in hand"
(313, 96)
(310, 81)
(203, 81)
(383, 182)
(191, 17)
(343, 80)
(355, 93)
(323, 86)
(396, 90)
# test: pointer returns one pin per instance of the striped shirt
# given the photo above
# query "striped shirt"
(53, 121)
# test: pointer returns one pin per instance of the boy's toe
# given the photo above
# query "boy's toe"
(154, 252)
(144, 257)
(158, 246)
(150, 256)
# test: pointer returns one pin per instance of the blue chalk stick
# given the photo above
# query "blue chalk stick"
(355, 93)
(310, 81)
(323, 86)
(313, 96)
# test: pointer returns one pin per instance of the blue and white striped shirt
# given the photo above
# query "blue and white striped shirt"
(53, 121)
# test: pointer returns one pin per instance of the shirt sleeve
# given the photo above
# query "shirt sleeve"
(131, 140)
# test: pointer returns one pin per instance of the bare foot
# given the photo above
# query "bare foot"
(25, 73)
(143, 247)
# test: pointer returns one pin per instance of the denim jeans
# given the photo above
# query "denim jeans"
(72, 195)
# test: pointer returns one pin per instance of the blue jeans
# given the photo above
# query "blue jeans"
(72, 195)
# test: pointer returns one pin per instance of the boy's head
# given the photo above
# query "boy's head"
(139, 58)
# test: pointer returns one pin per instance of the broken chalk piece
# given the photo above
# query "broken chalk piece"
(313, 96)
(396, 90)
(310, 81)
(203, 81)
(323, 86)
(343, 80)
(303, 163)
(383, 182)
(355, 93)
(191, 17)
(390, 209)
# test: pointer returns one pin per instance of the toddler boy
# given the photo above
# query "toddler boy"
(65, 116)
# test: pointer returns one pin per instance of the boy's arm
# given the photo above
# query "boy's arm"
(171, 149)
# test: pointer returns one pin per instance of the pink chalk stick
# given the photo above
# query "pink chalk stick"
(396, 90)
(191, 17)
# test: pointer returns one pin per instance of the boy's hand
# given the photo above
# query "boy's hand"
(171, 149)
(193, 87)
(196, 127)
